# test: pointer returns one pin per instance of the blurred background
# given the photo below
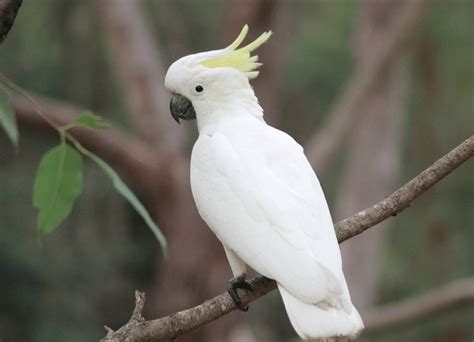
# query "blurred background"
(110, 56)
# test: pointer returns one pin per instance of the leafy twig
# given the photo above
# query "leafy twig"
(55, 207)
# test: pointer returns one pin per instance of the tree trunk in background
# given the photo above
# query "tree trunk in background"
(197, 268)
(262, 16)
(374, 154)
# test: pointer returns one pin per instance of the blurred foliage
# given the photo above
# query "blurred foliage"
(68, 285)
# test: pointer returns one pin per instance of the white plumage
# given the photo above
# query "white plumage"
(257, 192)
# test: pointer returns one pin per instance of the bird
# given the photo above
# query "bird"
(257, 192)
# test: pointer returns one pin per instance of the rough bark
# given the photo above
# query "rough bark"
(374, 152)
(181, 322)
(457, 294)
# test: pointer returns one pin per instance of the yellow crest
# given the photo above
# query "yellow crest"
(239, 59)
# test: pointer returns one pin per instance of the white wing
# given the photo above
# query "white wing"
(260, 196)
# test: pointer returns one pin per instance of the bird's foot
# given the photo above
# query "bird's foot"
(239, 282)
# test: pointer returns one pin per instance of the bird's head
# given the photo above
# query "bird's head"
(202, 82)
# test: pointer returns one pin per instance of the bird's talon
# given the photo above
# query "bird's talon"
(239, 282)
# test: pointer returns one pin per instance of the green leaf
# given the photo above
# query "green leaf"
(123, 189)
(7, 118)
(57, 185)
(90, 120)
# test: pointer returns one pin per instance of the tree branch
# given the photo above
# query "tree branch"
(322, 145)
(184, 321)
(451, 296)
(401, 199)
(134, 159)
(8, 11)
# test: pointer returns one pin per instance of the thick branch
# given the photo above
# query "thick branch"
(451, 296)
(321, 147)
(8, 12)
(125, 153)
(184, 321)
(181, 322)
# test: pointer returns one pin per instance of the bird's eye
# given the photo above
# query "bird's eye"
(199, 88)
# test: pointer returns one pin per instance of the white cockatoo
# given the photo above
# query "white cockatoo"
(257, 192)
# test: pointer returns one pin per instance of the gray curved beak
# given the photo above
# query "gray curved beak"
(181, 108)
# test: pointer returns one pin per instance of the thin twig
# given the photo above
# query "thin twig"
(135, 319)
(401, 199)
(137, 161)
(139, 304)
(184, 321)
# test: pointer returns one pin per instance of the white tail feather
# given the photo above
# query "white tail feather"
(314, 323)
